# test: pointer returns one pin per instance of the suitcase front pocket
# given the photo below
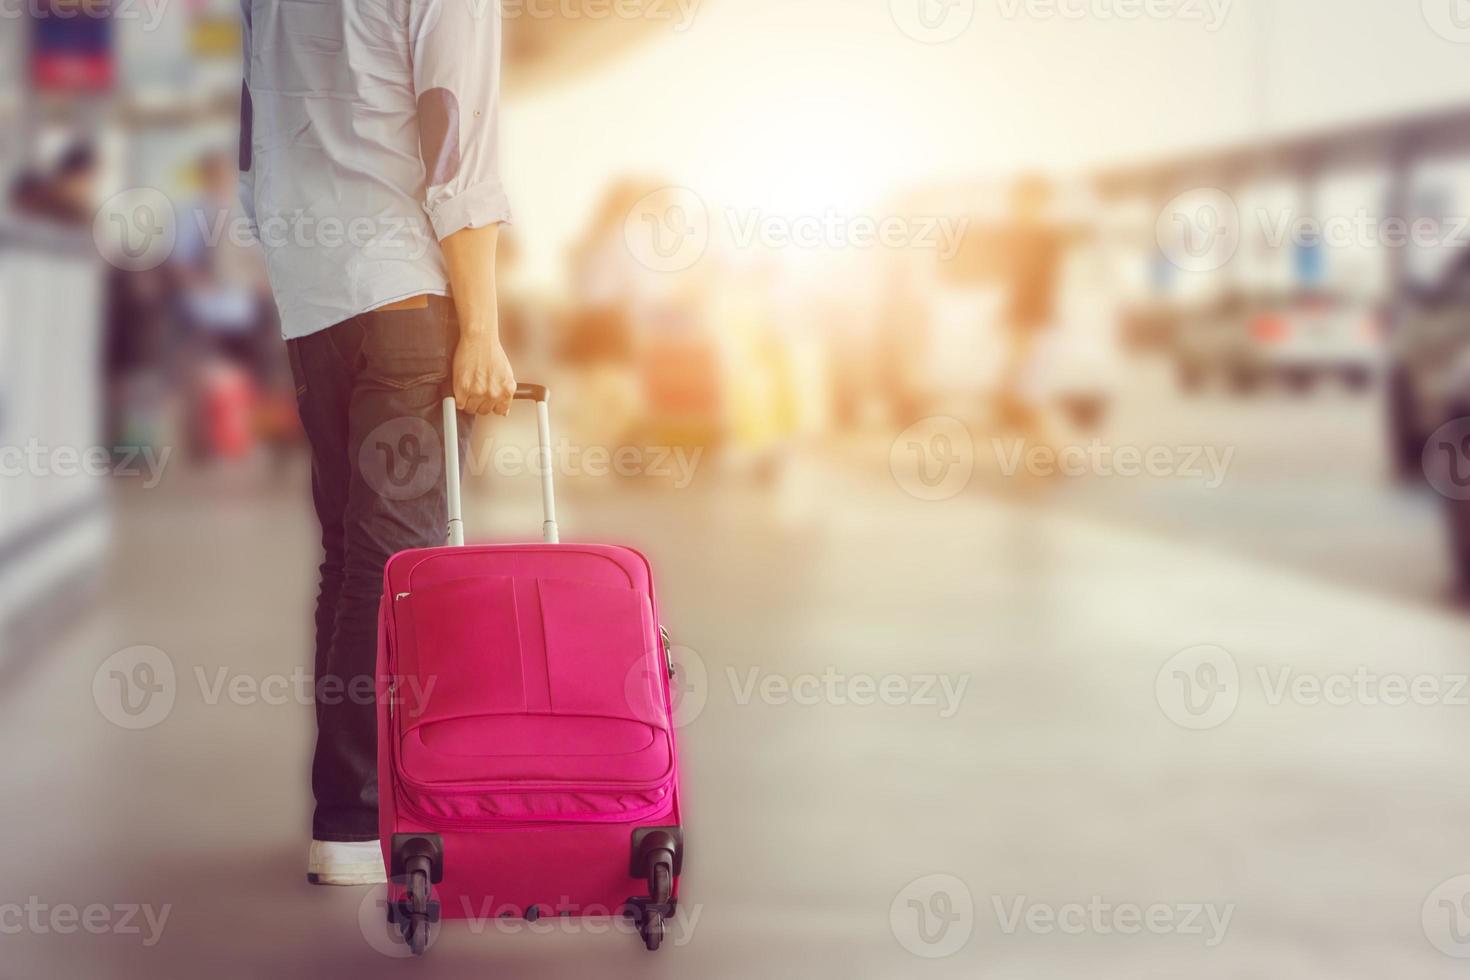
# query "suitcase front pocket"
(544, 701)
(600, 659)
(467, 656)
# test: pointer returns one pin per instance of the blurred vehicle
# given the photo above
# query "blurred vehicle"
(1298, 340)
(1428, 364)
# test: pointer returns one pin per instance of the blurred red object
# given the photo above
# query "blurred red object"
(227, 400)
(1269, 328)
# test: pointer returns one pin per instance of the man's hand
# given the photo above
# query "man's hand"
(483, 380)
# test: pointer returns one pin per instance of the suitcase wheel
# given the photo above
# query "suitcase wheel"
(657, 855)
(418, 862)
(416, 933)
(652, 929)
(415, 913)
(662, 880)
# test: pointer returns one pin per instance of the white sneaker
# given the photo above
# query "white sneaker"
(335, 862)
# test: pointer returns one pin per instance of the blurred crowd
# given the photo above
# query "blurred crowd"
(1017, 302)
(190, 348)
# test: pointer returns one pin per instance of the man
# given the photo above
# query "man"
(1034, 253)
(369, 171)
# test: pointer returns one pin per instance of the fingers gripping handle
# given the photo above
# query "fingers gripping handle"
(539, 395)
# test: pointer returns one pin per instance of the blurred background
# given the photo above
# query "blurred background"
(1106, 361)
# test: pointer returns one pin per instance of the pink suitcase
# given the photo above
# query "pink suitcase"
(526, 753)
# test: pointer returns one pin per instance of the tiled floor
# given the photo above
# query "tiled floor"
(1029, 758)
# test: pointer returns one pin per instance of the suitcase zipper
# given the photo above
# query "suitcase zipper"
(407, 782)
(439, 821)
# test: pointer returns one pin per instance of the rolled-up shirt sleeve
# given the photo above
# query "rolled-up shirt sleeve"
(456, 76)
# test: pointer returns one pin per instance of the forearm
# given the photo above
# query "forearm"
(470, 257)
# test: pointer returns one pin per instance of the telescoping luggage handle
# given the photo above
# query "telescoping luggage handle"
(537, 394)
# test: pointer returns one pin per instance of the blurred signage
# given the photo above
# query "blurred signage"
(72, 45)
(215, 36)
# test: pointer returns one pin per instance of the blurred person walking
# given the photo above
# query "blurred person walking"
(226, 314)
(224, 294)
(1033, 250)
(369, 171)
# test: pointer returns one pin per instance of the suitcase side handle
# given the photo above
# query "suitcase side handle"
(541, 396)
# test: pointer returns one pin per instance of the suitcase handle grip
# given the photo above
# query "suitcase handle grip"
(541, 396)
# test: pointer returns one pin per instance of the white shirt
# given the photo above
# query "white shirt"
(369, 132)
